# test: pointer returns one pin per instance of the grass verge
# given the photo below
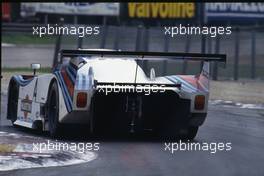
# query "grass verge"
(26, 69)
(27, 39)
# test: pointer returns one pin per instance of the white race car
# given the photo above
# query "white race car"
(108, 91)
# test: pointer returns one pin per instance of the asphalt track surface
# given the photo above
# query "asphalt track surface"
(244, 128)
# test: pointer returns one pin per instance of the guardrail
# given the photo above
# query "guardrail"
(207, 45)
(17, 28)
(243, 53)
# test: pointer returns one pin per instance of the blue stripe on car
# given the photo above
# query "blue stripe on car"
(72, 78)
(72, 70)
(62, 85)
(22, 82)
(66, 90)
(176, 81)
(185, 83)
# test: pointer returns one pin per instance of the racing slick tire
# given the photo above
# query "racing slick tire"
(13, 92)
(191, 133)
(178, 133)
(53, 110)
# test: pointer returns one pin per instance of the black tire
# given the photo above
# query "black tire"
(167, 130)
(178, 133)
(53, 110)
(191, 133)
(13, 92)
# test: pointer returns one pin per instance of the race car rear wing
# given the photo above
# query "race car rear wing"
(203, 76)
(145, 55)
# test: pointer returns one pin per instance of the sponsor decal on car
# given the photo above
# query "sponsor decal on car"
(26, 106)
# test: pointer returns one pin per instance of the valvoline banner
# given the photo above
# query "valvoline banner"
(159, 13)
(235, 11)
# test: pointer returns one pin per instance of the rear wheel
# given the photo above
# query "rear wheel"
(53, 111)
(176, 126)
(177, 132)
(191, 133)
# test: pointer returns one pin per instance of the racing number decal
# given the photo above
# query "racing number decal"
(26, 106)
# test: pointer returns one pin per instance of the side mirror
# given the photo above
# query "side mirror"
(35, 67)
(152, 74)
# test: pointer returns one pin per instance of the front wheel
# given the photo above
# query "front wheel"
(53, 110)
(13, 92)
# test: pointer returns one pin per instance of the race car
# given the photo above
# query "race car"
(109, 91)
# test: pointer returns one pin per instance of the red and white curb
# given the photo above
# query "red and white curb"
(23, 156)
(236, 104)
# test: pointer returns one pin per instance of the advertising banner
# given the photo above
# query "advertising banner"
(235, 12)
(81, 8)
(6, 11)
(159, 12)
